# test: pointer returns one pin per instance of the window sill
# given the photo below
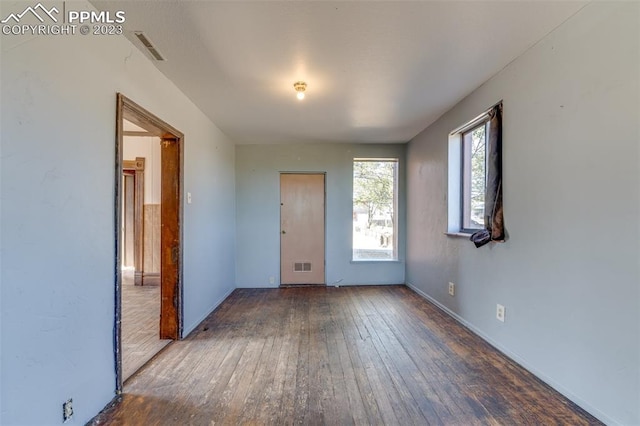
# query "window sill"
(458, 234)
(376, 261)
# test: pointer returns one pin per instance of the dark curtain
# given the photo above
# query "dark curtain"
(493, 220)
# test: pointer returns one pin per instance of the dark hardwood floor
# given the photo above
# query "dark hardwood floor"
(140, 324)
(335, 356)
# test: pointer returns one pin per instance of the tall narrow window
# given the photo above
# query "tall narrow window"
(375, 206)
(474, 177)
(475, 204)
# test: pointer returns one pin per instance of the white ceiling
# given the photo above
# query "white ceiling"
(376, 71)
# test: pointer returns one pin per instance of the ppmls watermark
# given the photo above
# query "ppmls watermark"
(57, 20)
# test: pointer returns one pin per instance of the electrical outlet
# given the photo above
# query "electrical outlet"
(272, 280)
(500, 312)
(67, 410)
(452, 289)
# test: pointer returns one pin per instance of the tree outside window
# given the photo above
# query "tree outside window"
(474, 177)
(374, 209)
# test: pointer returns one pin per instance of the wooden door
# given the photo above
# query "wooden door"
(302, 228)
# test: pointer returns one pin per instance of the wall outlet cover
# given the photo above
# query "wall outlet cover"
(452, 289)
(500, 312)
(67, 410)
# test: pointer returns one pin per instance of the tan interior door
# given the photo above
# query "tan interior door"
(302, 232)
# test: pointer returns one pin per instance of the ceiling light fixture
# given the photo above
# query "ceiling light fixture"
(300, 87)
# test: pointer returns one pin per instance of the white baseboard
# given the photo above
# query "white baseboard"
(523, 362)
(192, 327)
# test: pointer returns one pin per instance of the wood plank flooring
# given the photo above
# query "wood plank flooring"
(335, 356)
(140, 324)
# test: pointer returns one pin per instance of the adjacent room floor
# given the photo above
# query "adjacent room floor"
(349, 355)
(140, 324)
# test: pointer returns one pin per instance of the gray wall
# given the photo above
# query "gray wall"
(258, 170)
(569, 274)
(57, 208)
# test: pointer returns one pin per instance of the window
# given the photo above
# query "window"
(475, 176)
(375, 206)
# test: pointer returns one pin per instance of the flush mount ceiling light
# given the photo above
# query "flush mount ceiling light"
(300, 87)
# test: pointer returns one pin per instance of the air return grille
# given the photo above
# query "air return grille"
(302, 267)
(150, 47)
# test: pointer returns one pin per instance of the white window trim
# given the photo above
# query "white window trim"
(454, 179)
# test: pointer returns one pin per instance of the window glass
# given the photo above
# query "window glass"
(474, 173)
(375, 209)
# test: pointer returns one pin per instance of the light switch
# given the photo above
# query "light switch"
(188, 198)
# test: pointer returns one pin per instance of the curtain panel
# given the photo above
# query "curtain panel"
(494, 219)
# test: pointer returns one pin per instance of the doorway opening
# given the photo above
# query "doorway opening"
(148, 237)
(140, 296)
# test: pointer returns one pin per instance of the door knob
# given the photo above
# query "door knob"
(283, 231)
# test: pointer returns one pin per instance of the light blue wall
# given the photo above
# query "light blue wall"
(57, 133)
(569, 276)
(258, 170)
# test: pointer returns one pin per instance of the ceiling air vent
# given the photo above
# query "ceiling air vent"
(145, 41)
